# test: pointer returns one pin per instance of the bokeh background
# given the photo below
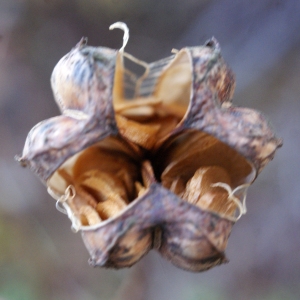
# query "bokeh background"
(40, 257)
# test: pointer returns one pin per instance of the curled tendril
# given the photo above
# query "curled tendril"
(122, 26)
(241, 204)
(63, 207)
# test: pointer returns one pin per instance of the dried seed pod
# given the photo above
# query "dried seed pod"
(166, 167)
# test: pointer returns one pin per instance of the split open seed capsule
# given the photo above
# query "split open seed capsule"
(162, 160)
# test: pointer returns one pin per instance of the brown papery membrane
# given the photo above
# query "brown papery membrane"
(160, 99)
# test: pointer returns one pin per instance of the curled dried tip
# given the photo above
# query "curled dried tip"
(93, 262)
(213, 43)
(23, 162)
(82, 42)
(279, 143)
(122, 26)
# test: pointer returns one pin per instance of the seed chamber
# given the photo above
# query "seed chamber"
(197, 167)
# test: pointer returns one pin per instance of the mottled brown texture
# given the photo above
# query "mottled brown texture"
(85, 120)
(245, 130)
(189, 237)
(175, 136)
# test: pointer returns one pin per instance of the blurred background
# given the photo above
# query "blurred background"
(40, 257)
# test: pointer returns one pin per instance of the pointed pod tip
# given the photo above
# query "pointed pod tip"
(213, 43)
(226, 260)
(279, 143)
(83, 42)
(23, 162)
(92, 262)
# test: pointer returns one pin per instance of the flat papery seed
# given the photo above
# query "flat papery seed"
(104, 159)
(136, 103)
(217, 201)
(194, 189)
(200, 190)
(122, 168)
(141, 134)
(103, 185)
(184, 154)
(175, 110)
(147, 173)
(110, 208)
(177, 187)
(141, 113)
(191, 150)
(156, 131)
(202, 180)
(89, 216)
(115, 144)
(128, 182)
(140, 189)
(211, 175)
(167, 124)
